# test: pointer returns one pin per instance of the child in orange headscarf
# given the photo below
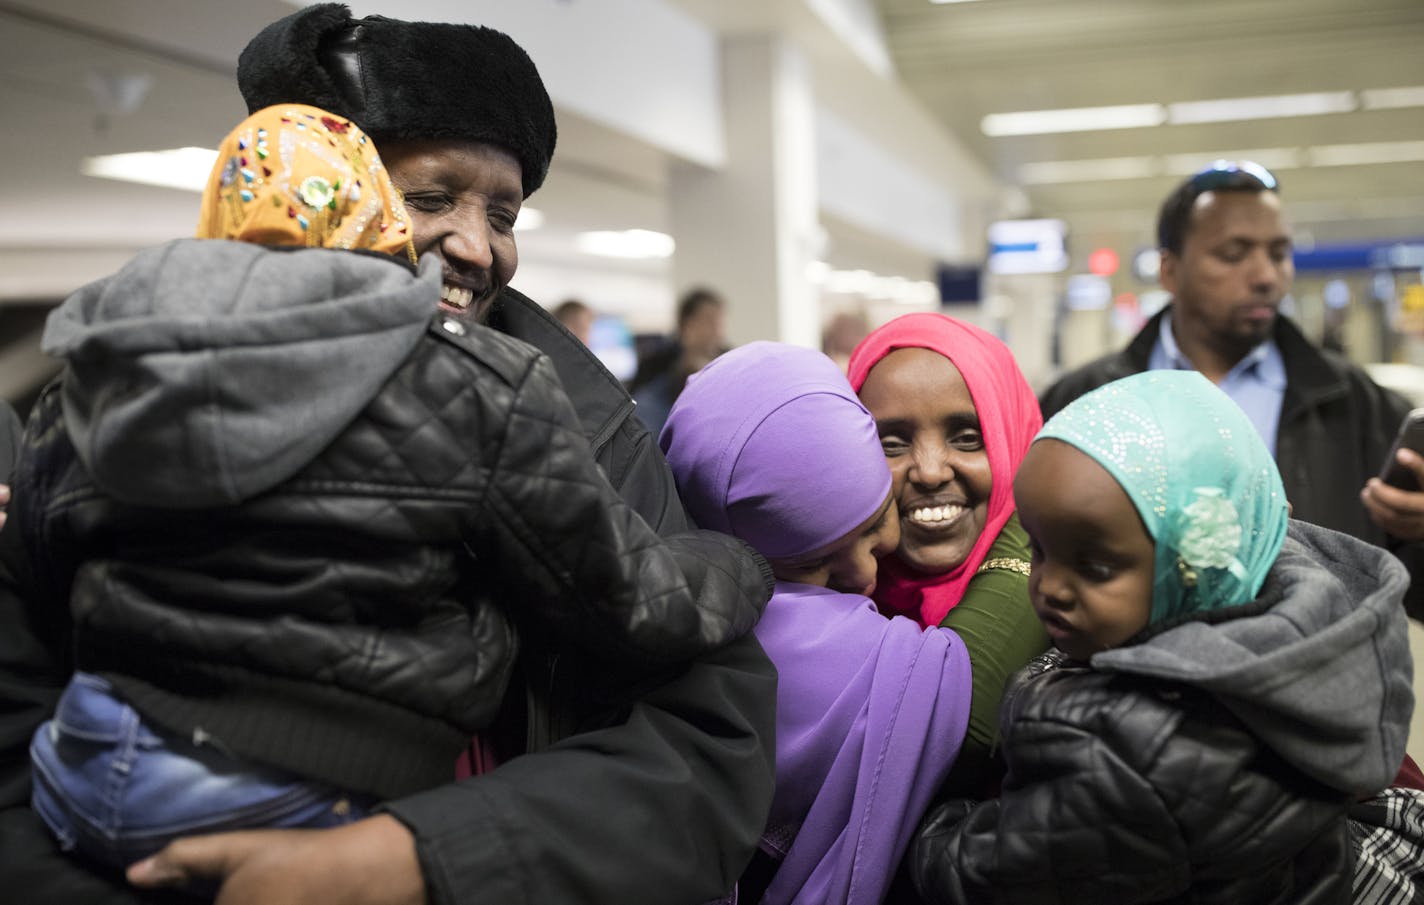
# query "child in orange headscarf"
(299, 176)
(279, 495)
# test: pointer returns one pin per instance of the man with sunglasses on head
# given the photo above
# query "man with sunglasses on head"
(1227, 261)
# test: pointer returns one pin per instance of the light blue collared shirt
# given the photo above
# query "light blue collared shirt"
(1257, 383)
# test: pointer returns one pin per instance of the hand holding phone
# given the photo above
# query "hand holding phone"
(1411, 436)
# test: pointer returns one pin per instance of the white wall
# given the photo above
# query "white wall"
(640, 66)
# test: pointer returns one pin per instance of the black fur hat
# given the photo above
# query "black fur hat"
(401, 80)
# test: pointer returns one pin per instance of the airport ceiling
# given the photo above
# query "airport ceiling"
(964, 61)
(968, 60)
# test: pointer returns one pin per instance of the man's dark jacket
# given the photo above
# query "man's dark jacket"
(1335, 431)
(709, 723)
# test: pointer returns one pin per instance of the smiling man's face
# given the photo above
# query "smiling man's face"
(463, 198)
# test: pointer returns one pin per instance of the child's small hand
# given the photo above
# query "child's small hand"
(1399, 512)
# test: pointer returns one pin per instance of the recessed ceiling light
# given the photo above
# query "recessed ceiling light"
(1390, 98)
(175, 168)
(1370, 152)
(628, 243)
(1236, 109)
(1270, 158)
(1058, 171)
(1232, 109)
(1074, 119)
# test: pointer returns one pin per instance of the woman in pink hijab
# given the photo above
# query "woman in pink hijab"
(955, 417)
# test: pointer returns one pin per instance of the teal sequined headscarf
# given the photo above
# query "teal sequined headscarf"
(1198, 473)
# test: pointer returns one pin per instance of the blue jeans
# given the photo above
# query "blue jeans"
(116, 790)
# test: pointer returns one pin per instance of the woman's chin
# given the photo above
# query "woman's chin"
(933, 550)
(933, 559)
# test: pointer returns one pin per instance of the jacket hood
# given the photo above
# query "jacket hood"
(206, 372)
(1318, 667)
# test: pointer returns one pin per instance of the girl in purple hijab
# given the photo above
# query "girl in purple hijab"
(769, 443)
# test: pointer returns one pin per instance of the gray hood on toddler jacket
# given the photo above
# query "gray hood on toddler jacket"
(206, 372)
(1323, 675)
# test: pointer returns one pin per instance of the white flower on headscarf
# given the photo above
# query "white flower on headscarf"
(1211, 537)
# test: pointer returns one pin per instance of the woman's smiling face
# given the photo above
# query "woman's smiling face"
(929, 429)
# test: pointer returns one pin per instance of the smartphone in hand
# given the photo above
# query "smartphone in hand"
(1411, 435)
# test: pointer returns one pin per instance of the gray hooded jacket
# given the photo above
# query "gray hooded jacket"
(1210, 761)
(291, 505)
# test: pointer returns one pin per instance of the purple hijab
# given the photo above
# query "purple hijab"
(773, 446)
(769, 443)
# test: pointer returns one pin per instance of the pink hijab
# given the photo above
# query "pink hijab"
(1008, 418)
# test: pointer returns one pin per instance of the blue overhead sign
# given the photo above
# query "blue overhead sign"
(1028, 246)
(1395, 254)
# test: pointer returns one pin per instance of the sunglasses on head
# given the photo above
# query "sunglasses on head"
(1234, 174)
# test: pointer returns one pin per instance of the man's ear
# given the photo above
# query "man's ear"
(1167, 271)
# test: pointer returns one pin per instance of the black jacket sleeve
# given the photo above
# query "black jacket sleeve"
(594, 570)
(663, 804)
(1076, 823)
(1121, 791)
(34, 667)
(665, 807)
(10, 433)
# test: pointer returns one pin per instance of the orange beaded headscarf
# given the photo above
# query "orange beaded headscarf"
(296, 175)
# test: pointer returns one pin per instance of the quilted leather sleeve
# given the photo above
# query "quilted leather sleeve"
(1124, 792)
(1077, 822)
(588, 565)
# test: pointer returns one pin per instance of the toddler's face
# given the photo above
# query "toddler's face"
(848, 564)
(1091, 583)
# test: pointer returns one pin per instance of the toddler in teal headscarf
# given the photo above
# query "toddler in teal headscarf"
(1227, 682)
(1162, 488)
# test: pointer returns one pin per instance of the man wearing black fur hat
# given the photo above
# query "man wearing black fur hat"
(654, 798)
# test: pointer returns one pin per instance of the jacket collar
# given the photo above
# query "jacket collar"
(1311, 376)
(599, 398)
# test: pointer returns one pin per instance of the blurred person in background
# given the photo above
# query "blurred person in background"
(654, 792)
(1226, 252)
(842, 334)
(577, 317)
(701, 337)
(10, 430)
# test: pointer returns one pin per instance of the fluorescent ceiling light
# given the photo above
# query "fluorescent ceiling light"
(1074, 119)
(1058, 171)
(176, 168)
(629, 243)
(529, 218)
(1133, 116)
(1270, 158)
(876, 287)
(1373, 152)
(1049, 172)
(1247, 108)
(1390, 98)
